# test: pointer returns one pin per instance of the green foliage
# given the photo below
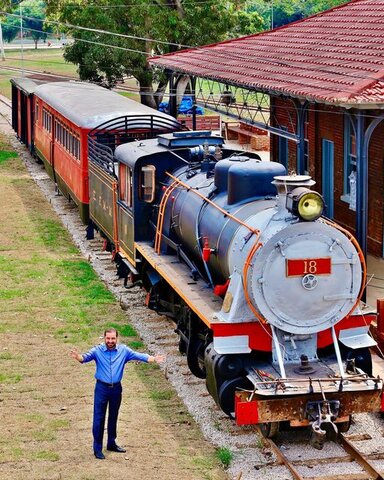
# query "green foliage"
(33, 15)
(161, 394)
(225, 456)
(155, 28)
(58, 424)
(46, 455)
(4, 378)
(6, 356)
(5, 156)
(287, 11)
(10, 29)
(52, 232)
(135, 345)
(79, 276)
(124, 330)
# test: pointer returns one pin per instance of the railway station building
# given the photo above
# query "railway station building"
(314, 89)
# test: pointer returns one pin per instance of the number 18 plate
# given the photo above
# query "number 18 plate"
(303, 266)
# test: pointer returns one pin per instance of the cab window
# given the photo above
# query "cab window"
(125, 184)
(147, 191)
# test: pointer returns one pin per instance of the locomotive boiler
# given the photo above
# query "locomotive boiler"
(264, 290)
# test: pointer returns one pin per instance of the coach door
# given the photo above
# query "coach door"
(328, 176)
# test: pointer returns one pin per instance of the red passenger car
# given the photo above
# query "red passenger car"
(22, 109)
(64, 113)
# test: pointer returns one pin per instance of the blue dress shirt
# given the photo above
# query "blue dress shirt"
(110, 363)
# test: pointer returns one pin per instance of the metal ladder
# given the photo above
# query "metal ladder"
(160, 218)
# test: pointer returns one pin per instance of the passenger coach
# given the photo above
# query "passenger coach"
(62, 114)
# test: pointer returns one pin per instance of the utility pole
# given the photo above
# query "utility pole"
(2, 54)
(22, 40)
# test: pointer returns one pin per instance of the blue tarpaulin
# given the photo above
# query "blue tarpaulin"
(185, 107)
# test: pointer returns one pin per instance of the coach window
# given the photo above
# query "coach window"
(125, 184)
(148, 183)
(77, 148)
(37, 113)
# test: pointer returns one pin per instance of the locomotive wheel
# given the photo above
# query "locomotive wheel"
(195, 357)
(227, 393)
(229, 366)
(182, 346)
(269, 430)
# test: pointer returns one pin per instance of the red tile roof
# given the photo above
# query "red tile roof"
(336, 56)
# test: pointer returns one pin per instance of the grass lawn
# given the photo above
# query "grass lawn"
(42, 59)
(50, 300)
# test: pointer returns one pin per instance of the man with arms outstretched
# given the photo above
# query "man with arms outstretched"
(110, 358)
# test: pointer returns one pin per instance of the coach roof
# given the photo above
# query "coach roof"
(89, 106)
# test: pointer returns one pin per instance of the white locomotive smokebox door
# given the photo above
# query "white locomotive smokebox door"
(320, 292)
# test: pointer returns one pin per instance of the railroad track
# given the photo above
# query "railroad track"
(7, 102)
(255, 458)
(43, 75)
(355, 457)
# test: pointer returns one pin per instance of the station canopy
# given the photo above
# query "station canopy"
(335, 57)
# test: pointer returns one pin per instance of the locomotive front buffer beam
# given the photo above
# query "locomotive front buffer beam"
(324, 416)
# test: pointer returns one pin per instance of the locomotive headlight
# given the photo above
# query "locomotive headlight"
(305, 204)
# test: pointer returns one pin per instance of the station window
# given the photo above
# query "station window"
(147, 192)
(306, 142)
(125, 184)
(349, 158)
(76, 148)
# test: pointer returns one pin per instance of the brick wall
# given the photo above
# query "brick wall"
(326, 122)
(203, 122)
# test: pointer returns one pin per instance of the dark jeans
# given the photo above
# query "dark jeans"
(105, 397)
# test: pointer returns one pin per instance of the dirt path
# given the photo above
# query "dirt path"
(46, 398)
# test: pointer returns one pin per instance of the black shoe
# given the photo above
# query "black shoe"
(116, 448)
(100, 455)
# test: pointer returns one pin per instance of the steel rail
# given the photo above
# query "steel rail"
(353, 454)
(359, 457)
(281, 457)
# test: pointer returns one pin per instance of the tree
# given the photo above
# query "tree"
(33, 19)
(33, 15)
(156, 27)
(11, 28)
(287, 11)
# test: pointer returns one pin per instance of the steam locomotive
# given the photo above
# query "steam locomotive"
(264, 291)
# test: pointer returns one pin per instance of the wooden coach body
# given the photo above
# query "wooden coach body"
(54, 120)
(22, 110)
